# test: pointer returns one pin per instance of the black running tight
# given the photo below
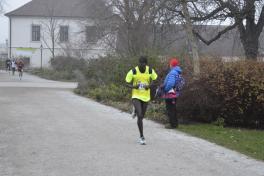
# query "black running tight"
(140, 107)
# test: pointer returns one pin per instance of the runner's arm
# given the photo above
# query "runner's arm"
(129, 85)
(129, 80)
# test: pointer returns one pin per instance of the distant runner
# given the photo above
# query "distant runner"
(20, 66)
(8, 65)
(13, 66)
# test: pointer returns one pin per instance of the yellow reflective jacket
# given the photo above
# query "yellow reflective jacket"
(138, 78)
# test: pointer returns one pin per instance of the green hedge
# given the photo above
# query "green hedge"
(110, 92)
(227, 92)
(62, 68)
(68, 64)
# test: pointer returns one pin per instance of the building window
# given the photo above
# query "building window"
(35, 33)
(92, 34)
(64, 33)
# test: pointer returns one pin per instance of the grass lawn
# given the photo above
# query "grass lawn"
(248, 142)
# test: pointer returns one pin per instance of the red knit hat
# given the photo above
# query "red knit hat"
(174, 62)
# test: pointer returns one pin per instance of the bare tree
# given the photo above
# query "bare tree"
(245, 15)
(137, 19)
(50, 34)
(50, 28)
(136, 26)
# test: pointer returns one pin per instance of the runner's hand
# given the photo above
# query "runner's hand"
(136, 86)
(146, 87)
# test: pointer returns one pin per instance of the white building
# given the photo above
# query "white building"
(70, 24)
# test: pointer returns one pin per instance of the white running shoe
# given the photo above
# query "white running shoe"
(142, 141)
(134, 113)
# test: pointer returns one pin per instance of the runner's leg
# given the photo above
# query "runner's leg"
(20, 74)
(144, 106)
(138, 107)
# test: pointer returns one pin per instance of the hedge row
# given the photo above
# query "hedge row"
(228, 92)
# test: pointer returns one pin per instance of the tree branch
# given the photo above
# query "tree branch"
(260, 24)
(209, 16)
(208, 42)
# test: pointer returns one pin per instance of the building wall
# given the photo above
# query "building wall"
(23, 46)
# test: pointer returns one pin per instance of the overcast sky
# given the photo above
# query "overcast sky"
(8, 6)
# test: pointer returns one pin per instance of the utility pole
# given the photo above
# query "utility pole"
(191, 38)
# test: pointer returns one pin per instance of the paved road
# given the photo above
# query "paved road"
(46, 130)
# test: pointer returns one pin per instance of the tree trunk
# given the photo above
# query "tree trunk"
(191, 38)
(53, 45)
(53, 50)
(249, 32)
(251, 47)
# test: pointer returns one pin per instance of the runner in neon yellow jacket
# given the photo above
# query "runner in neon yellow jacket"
(140, 80)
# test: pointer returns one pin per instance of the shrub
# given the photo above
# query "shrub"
(68, 64)
(63, 68)
(157, 112)
(233, 91)
(219, 122)
(227, 93)
(197, 103)
(240, 88)
(110, 92)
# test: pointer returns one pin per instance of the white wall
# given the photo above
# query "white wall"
(22, 44)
